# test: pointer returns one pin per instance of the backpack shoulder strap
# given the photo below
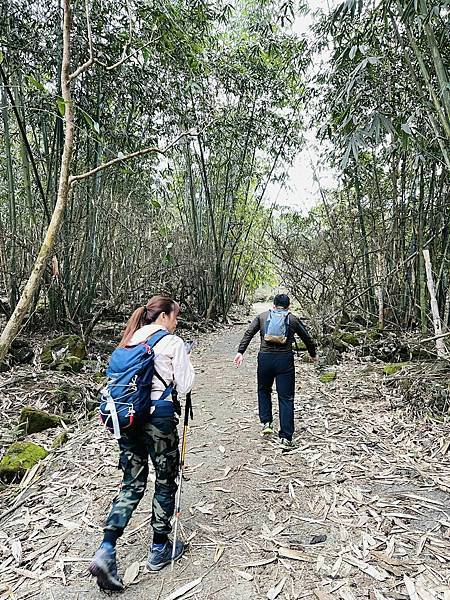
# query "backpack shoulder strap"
(151, 342)
(156, 337)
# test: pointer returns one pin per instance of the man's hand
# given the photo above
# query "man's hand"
(238, 359)
(314, 359)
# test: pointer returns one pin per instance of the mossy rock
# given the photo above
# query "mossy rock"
(341, 340)
(65, 395)
(338, 344)
(69, 363)
(64, 353)
(34, 420)
(20, 457)
(60, 440)
(374, 334)
(349, 338)
(329, 357)
(393, 368)
(328, 376)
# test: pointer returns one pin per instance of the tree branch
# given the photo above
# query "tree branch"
(154, 149)
(90, 60)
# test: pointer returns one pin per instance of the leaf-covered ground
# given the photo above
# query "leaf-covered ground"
(361, 509)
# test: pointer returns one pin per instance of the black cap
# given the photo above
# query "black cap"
(282, 300)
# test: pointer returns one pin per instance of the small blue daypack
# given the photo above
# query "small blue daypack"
(277, 326)
(125, 399)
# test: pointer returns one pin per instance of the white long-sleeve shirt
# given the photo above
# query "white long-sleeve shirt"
(171, 361)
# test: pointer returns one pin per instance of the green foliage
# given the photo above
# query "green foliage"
(187, 222)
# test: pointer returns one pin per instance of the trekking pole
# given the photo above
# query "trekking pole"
(187, 413)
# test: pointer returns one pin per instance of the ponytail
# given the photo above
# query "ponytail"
(144, 315)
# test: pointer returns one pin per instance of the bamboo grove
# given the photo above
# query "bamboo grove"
(182, 114)
(382, 105)
(214, 89)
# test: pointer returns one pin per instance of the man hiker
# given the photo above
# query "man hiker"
(277, 328)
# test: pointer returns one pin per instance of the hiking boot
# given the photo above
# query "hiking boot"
(286, 444)
(104, 568)
(157, 559)
(266, 429)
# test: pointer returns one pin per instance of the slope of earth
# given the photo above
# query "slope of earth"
(360, 509)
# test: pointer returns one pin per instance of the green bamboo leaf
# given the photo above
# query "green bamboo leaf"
(346, 157)
(61, 105)
(35, 83)
(92, 123)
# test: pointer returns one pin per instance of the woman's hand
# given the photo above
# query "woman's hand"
(238, 359)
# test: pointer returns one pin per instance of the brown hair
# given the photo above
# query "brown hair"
(144, 315)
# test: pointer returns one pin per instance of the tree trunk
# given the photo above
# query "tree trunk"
(14, 323)
(440, 345)
(12, 264)
(421, 273)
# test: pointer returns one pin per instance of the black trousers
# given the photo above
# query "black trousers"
(278, 367)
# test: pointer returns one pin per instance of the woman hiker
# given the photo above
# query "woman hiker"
(277, 329)
(157, 438)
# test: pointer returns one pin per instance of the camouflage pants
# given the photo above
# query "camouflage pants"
(159, 440)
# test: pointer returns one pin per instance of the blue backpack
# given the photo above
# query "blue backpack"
(277, 326)
(125, 400)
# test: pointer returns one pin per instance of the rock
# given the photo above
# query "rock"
(4, 366)
(34, 420)
(328, 376)
(345, 318)
(342, 340)
(66, 398)
(60, 440)
(428, 397)
(352, 326)
(393, 368)
(329, 357)
(70, 363)
(338, 344)
(361, 320)
(20, 457)
(388, 350)
(64, 353)
(349, 338)
(374, 334)
(21, 352)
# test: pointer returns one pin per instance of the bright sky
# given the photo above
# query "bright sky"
(301, 190)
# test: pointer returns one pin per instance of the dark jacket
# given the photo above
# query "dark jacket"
(295, 327)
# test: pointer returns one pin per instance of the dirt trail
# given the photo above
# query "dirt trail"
(361, 509)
